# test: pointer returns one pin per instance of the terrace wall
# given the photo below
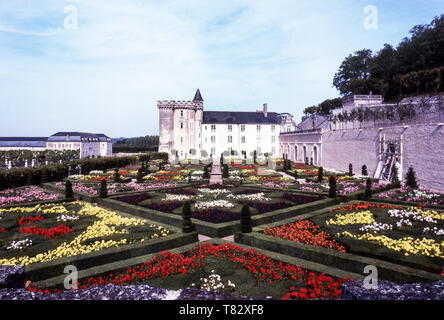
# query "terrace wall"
(422, 148)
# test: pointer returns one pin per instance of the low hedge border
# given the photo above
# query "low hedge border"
(215, 230)
(94, 198)
(32, 204)
(344, 261)
(45, 270)
(116, 266)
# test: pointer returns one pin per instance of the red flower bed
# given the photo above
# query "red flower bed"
(265, 270)
(3, 230)
(304, 231)
(97, 178)
(48, 233)
(300, 165)
(364, 206)
(27, 220)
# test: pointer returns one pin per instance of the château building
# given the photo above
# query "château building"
(184, 126)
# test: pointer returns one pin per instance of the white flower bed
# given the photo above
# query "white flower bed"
(409, 215)
(177, 197)
(19, 244)
(213, 204)
(376, 227)
(75, 176)
(93, 172)
(213, 191)
(434, 230)
(254, 197)
(65, 218)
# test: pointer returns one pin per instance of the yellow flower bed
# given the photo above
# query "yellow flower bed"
(434, 214)
(184, 172)
(407, 245)
(352, 218)
(104, 227)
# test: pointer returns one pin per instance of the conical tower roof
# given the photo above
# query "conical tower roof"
(198, 96)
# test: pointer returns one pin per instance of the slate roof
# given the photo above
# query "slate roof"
(236, 117)
(198, 96)
(23, 142)
(76, 136)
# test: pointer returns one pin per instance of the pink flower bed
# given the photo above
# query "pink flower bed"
(116, 187)
(25, 194)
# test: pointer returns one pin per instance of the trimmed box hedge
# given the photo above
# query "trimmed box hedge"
(45, 270)
(217, 230)
(116, 266)
(344, 261)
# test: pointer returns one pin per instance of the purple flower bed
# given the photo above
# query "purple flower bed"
(267, 207)
(113, 292)
(165, 206)
(250, 191)
(299, 199)
(216, 215)
(354, 290)
(25, 194)
(182, 191)
(134, 198)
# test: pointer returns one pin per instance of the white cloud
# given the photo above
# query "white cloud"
(127, 54)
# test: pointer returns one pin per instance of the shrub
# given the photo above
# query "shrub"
(311, 161)
(306, 160)
(320, 174)
(295, 174)
(69, 194)
(289, 165)
(395, 179)
(350, 169)
(187, 225)
(139, 175)
(44, 177)
(116, 175)
(364, 170)
(206, 174)
(368, 188)
(225, 174)
(332, 185)
(103, 189)
(411, 178)
(246, 224)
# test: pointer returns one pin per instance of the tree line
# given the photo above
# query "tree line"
(414, 67)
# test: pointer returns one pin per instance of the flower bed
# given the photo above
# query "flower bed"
(413, 236)
(227, 268)
(52, 231)
(408, 194)
(218, 203)
(113, 188)
(24, 195)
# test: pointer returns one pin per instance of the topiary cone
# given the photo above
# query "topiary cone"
(187, 225)
(368, 188)
(69, 194)
(246, 224)
(103, 189)
(332, 184)
(140, 175)
(320, 174)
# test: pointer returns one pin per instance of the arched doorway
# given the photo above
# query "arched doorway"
(305, 153)
(295, 153)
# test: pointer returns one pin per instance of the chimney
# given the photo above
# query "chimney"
(265, 110)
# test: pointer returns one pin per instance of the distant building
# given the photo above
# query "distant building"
(23, 143)
(89, 144)
(183, 125)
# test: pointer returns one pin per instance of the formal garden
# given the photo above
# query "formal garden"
(281, 231)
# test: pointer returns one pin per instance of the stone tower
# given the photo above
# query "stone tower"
(180, 125)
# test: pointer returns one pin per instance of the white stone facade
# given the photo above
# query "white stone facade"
(184, 126)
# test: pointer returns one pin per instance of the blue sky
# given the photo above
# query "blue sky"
(107, 75)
